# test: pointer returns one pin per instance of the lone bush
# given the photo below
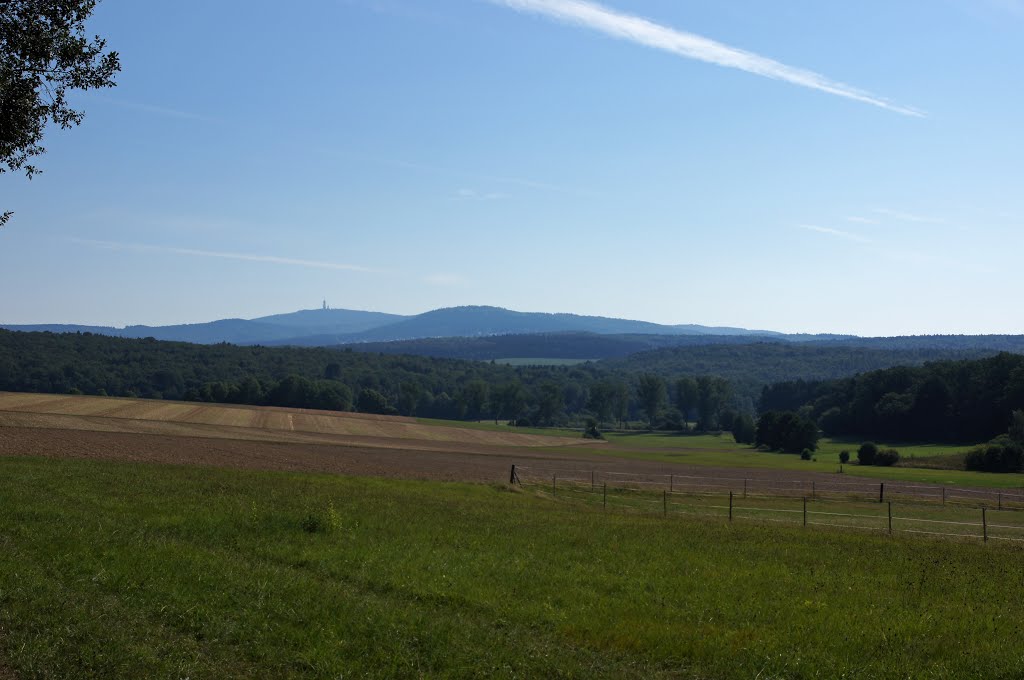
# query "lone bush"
(844, 457)
(591, 431)
(866, 453)
(805, 454)
(1002, 454)
(887, 457)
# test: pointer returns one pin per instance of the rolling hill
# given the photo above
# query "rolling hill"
(325, 327)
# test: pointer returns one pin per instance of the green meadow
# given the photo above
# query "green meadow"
(720, 450)
(114, 570)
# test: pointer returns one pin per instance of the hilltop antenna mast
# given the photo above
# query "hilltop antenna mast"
(325, 304)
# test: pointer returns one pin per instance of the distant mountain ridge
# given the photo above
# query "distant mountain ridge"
(487, 333)
(324, 327)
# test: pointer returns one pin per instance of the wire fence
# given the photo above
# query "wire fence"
(884, 507)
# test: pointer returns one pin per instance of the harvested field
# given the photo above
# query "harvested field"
(244, 437)
(247, 422)
(224, 436)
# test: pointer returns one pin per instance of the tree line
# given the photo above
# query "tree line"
(948, 401)
(342, 379)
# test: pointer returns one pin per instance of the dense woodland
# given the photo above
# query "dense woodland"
(710, 386)
(948, 401)
(749, 367)
(344, 379)
(580, 345)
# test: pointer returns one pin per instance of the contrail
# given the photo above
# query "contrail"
(644, 32)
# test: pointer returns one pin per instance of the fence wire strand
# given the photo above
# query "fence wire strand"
(635, 492)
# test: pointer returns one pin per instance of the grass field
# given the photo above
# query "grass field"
(722, 451)
(115, 570)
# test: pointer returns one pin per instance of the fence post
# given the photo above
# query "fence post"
(984, 525)
(1000, 500)
(881, 492)
(512, 475)
(664, 502)
(890, 517)
(805, 510)
(814, 494)
(730, 505)
(943, 495)
(605, 498)
(744, 489)
(592, 480)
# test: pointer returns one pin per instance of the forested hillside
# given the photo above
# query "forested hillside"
(303, 377)
(956, 401)
(720, 379)
(749, 367)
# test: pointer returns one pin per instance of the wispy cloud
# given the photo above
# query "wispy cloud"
(839, 233)
(245, 257)
(644, 32)
(907, 217)
(861, 220)
(473, 195)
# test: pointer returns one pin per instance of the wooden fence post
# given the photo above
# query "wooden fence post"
(1000, 500)
(881, 492)
(943, 495)
(512, 475)
(805, 510)
(814, 493)
(744, 489)
(890, 517)
(984, 525)
(730, 505)
(605, 497)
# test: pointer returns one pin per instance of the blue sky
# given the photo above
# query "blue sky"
(797, 165)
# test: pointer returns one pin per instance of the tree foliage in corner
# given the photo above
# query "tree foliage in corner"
(44, 52)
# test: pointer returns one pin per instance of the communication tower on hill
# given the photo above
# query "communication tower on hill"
(325, 306)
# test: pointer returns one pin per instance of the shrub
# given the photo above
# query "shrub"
(844, 457)
(1002, 454)
(1016, 431)
(673, 420)
(743, 429)
(866, 453)
(887, 457)
(805, 454)
(591, 431)
(786, 431)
